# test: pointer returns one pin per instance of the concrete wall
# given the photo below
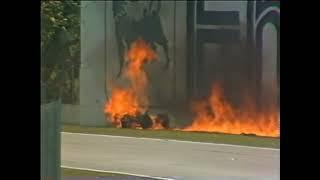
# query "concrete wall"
(220, 59)
(225, 59)
(100, 61)
(70, 114)
(165, 86)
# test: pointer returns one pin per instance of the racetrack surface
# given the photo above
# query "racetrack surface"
(169, 158)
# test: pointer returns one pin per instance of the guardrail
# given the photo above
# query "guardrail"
(50, 141)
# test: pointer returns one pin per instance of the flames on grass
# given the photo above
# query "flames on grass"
(216, 114)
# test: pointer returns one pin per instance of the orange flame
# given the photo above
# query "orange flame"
(156, 123)
(138, 55)
(133, 99)
(122, 102)
(217, 115)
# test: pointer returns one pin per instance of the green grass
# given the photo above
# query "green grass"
(180, 135)
(77, 172)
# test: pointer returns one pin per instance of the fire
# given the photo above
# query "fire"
(158, 122)
(138, 55)
(217, 115)
(131, 100)
(122, 102)
(128, 106)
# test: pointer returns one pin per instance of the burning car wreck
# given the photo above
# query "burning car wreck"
(128, 106)
(142, 121)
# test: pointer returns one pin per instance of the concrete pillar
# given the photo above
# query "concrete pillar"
(93, 63)
(269, 66)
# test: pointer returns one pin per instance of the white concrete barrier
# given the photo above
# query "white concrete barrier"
(83, 115)
(70, 114)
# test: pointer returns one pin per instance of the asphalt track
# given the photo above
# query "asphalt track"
(168, 158)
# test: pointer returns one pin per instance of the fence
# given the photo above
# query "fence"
(50, 141)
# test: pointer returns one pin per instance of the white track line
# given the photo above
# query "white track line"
(116, 172)
(155, 139)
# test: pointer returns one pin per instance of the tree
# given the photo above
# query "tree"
(60, 47)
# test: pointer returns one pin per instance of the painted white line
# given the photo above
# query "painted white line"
(172, 140)
(116, 172)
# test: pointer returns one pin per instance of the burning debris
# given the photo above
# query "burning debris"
(161, 121)
(128, 121)
(144, 121)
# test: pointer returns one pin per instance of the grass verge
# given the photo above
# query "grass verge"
(245, 140)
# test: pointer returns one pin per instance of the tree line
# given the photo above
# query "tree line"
(60, 50)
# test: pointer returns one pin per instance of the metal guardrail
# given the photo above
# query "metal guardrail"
(50, 141)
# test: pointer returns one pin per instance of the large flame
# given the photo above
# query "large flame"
(133, 99)
(138, 55)
(217, 115)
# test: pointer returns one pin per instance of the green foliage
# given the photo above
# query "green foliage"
(60, 48)
(57, 16)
